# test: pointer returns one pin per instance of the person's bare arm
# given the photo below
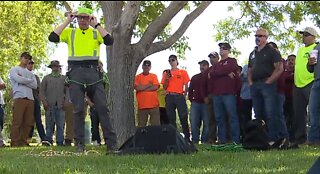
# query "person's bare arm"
(278, 70)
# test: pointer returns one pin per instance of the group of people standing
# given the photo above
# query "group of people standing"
(222, 96)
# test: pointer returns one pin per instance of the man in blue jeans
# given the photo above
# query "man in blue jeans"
(225, 80)
(314, 99)
(199, 109)
(37, 109)
(264, 68)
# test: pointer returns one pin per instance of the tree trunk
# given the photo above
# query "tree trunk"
(122, 69)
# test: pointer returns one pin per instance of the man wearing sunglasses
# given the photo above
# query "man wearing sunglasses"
(37, 108)
(303, 80)
(83, 75)
(225, 79)
(146, 85)
(264, 69)
(175, 82)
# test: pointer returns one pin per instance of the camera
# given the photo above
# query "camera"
(168, 72)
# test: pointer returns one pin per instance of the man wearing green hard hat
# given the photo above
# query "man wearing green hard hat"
(83, 77)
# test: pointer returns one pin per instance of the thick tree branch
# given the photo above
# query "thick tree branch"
(66, 5)
(129, 16)
(160, 23)
(159, 46)
(111, 19)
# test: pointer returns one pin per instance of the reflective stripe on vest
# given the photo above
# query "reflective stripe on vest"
(80, 58)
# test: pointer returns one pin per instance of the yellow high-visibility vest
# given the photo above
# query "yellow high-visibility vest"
(82, 45)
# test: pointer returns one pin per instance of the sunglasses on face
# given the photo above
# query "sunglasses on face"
(223, 48)
(172, 60)
(306, 34)
(83, 17)
(259, 35)
(30, 63)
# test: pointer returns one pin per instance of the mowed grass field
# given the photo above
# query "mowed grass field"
(57, 160)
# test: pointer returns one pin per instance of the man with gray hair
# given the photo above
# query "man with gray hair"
(264, 69)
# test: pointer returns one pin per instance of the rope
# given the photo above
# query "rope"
(83, 84)
(227, 147)
(52, 153)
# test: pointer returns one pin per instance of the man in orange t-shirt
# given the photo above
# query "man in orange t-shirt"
(175, 82)
(146, 85)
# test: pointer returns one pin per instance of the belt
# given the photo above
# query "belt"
(173, 93)
(260, 80)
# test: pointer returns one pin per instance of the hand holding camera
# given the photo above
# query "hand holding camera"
(168, 72)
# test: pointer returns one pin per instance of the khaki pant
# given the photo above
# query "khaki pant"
(69, 119)
(143, 115)
(22, 122)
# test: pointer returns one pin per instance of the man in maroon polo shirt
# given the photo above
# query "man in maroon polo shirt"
(199, 110)
(224, 76)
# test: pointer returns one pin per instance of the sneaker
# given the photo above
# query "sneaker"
(46, 143)
(284, 145)
(80, 148)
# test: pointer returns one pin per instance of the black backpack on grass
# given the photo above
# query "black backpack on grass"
(255, 135)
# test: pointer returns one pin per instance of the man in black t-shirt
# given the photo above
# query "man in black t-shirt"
(265, 67)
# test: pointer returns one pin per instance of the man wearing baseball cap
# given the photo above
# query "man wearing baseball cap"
(83, 55)
(303, 80)
(22, 81)
(199, 110)
(212, 135)
(146, 85)
(314, 102)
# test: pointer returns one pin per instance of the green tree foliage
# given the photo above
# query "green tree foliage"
(24, 26)
(280, 19)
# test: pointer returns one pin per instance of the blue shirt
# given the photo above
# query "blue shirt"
(245, 88)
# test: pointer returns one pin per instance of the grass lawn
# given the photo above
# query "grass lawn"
(29, 160)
